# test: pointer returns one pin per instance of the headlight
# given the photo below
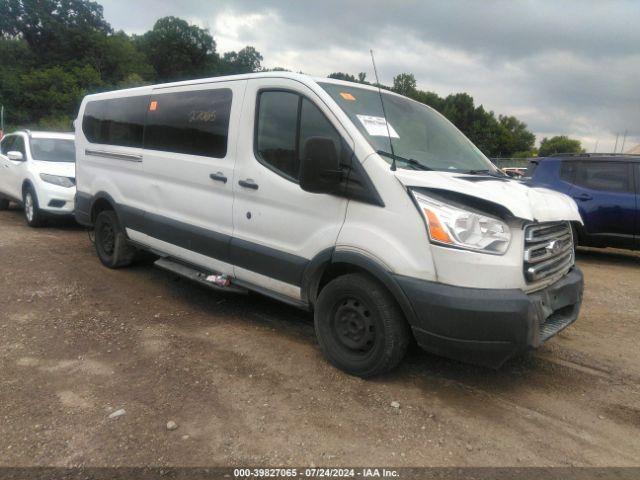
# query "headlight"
(57, 180)
(453, 226)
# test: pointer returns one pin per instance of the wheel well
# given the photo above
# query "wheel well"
(100, 205)
(26, 184)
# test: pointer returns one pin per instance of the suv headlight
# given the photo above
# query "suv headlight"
(452, 226)
(57, 180)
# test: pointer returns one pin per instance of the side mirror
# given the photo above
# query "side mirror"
(320, 166)
(15, 156)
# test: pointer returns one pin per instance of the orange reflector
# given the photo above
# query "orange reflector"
(436, 229)
(348, 96)
(153, 106)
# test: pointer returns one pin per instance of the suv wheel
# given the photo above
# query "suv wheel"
(4, 204)
(111, 242)
(32, 212)
(360, 327)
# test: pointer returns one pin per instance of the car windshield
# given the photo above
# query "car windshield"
(53, 150)
(422, 138)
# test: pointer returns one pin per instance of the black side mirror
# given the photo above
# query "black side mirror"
(320, 166)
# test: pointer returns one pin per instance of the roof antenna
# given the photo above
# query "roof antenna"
(384, 113)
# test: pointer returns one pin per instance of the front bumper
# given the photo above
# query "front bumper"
(55, 199)
(486, 326)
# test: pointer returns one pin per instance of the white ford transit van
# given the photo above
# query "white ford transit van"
(299, 189)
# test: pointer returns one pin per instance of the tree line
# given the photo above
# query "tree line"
(54, 52)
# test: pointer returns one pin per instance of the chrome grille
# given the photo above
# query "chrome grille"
(548, 249)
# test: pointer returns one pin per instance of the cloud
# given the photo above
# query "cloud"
(570, 67)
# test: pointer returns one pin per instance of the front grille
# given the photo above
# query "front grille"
(548, 249)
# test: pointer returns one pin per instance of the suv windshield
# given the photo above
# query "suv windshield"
(422, 138)
(53, 150)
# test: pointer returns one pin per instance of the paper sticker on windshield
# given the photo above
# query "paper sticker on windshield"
(377, 127)
(348, 96)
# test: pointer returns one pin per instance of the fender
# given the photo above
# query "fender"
(316, 268)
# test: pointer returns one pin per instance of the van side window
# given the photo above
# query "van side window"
(286, 121)
(604, 176)
(276, 132)
(116, 121)
(193, 123)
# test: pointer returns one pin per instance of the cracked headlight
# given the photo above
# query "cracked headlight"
(453, 226)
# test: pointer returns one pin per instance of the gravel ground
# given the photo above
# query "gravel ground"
(244, 383)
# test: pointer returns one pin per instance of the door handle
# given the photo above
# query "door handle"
(583, 197)
(218, 177)
(248, 183)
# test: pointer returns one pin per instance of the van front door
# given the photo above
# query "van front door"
(278, 227)
(190, 152)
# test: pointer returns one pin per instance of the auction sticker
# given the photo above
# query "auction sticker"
(377, 126)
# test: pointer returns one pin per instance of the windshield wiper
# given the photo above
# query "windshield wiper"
(409, 161)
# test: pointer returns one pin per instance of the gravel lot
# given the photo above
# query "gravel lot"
(244, 381)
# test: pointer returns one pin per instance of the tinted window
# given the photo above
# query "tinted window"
(53, 150)
(282, 132)
(18, 146)
(117, 121)
(568, 171)
(313, 123)
(7, 143)
(277, 131)
(195, 123)
(606, 176)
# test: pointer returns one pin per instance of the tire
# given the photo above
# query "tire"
(360, 327)
(111, 242)
(32, 213)
(4, 204)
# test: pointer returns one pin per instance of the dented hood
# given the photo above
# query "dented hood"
(528, 203)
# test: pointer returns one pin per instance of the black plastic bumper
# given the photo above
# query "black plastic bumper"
(487, 326)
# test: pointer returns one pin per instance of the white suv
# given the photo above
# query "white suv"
(37, 170)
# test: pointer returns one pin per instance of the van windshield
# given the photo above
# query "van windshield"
(53, 150)
(422, 138)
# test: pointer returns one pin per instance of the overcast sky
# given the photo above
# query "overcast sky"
(563, 67)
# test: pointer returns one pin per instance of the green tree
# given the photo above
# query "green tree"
(177, 50)
(247, 60)
(404, 84)
(343, 76)
(55, 30)
(559, 144)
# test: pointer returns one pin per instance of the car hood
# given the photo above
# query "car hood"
(63, 169)
(523, 201)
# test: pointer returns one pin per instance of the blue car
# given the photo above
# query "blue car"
(606, 188)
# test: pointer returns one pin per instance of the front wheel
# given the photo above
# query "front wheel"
(360, 327)
(4, 204)
(32, 213)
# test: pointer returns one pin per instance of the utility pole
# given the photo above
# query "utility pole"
(616, 147)
(1, 121)
(595, 150)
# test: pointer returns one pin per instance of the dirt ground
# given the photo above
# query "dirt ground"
(244, 380)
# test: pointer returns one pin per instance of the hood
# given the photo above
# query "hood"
(62, 169)
(523, 201)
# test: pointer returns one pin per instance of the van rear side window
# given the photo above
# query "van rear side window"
(116, 121)
(194, 123)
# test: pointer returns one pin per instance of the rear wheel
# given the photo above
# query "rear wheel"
(4, 204)
(32, 213)
(111, 242)
(360, 327)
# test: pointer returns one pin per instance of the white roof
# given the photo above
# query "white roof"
(300, 77)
